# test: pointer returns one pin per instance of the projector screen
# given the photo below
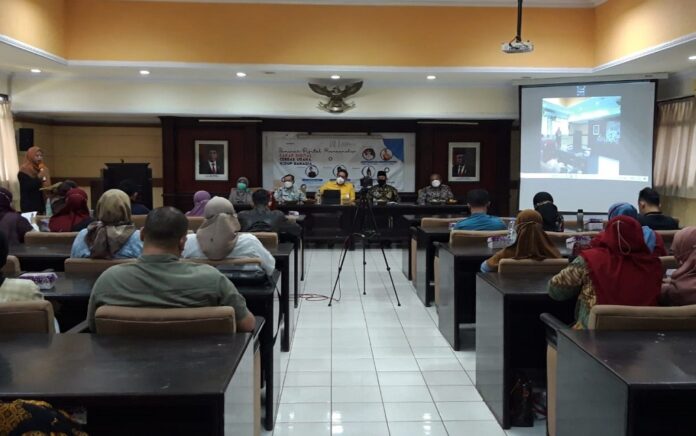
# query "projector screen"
(589, 145)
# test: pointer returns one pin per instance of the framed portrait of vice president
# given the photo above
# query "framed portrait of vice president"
(211, 161)
(464, 162)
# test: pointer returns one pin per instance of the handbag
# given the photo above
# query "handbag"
(245, 275)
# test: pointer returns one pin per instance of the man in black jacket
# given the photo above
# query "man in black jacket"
(263, 219)
(650, 213)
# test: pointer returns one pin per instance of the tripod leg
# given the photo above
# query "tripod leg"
(384, 255)
(344, 252)
(364, 244)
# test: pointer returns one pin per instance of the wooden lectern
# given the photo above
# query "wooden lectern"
(140, 173)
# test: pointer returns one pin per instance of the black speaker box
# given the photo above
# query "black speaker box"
(26, 139)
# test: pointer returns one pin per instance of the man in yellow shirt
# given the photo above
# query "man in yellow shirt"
(340, 184)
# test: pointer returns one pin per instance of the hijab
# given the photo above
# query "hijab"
(113, 228)
(552, 220)
(621, 267)
(241, 196)
(531, 243)
(217, 235)
(73, 212)
(627, 209)
(681, 289)
(200, 199)
(5, 202)
(31, 168)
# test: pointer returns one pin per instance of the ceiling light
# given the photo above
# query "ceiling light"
(335, 77)
(692, 58)
(144, 73)
(431, 77)
(241, 74)
(35, 70)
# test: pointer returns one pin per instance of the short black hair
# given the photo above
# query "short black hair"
(129, 187)
(650, 196)
(478, 197)
(289, 175)
(342, 170)
(165, 226)
(259, 197)
(4, 251)
(542, 197)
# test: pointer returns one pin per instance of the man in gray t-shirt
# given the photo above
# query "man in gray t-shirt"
(160, 279)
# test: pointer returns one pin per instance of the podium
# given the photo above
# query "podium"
(140, 173)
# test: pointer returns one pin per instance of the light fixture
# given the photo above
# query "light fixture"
(431, 77)
(692, 58)
(241, 74)
(35, 70)
(144, 73)
(335, 77)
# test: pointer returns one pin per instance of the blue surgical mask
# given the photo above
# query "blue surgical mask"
(241, 186)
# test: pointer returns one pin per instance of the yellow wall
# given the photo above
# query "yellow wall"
(39, 23)
(682, 208)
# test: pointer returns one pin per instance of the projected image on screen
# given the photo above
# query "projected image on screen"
(581, 135)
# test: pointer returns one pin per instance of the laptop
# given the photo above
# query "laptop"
(331, 196)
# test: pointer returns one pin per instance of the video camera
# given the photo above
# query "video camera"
(366, 182)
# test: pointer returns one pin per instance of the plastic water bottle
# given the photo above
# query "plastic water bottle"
(49, 209)
(512, 232)
(581, 220)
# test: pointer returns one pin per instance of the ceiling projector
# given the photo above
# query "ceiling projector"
(515, 46)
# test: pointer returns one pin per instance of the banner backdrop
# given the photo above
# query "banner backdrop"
(314, 159)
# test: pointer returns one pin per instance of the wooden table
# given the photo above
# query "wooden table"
(135, 385)
(425, 256)
(626, 383)
(510, 337)
(41, 257)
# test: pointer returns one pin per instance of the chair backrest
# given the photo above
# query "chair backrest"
(97, 266)
(438, 223)
(139, 220)
(26, 317)
(268, 239)
(194, 222)
(160, 322)
(512, 266)
(236, 261)
(11, 266)
(610, 317)
(38, 219)
(667, 235)
(669, 262)
(43, 238)
(559, 238)
(464, 238)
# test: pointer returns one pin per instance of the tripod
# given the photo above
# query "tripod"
(357, 228)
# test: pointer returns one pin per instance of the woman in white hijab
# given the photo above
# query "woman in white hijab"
(219, 237)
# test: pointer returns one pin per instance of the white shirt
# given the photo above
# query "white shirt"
(247, 245)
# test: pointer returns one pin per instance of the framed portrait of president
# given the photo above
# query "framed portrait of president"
(211, 161)
(464, 162)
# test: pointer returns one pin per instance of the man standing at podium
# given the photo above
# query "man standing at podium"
(213, 165)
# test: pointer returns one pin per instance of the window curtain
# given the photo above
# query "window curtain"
(675, 150)
(9, 163)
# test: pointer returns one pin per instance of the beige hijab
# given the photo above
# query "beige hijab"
(217, 235)
(113, 227)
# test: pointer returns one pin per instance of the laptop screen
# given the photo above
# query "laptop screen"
(331, 196)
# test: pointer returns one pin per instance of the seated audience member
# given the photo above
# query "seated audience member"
(680, 288)
(340, 184)
(74, 215)
(34, 417)
(531, 243)
(383, 192)
(436, 192)
(200, 199)
(241, 195)
(159, 279)
(262, 219)
(112, 235)
(479, 201)
(57, 192)
(650, 213)
(219, 238)
(653, 240)
(132, 190)
(617, 269)
(289, 192)
(15, 289)
(553, 221)
(12, 224)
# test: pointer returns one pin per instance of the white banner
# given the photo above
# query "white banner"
(314, 159)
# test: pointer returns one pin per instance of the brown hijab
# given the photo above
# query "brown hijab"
(32, 169)
(532, 242)
(218, 234)
(680, 290)
(113, 227)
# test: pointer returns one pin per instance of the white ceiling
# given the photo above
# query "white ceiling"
(469, 3)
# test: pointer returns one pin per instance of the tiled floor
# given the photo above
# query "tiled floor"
(368, 367)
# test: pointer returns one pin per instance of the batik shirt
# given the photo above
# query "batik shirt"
(383, 193)
(429, 194)
(283, 195)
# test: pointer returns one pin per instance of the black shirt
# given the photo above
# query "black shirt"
(658, 221)
(30, 197)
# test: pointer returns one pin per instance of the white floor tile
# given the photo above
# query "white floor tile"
(434, 428)
(353, 364)
(432, 352)
(305, 365)
(440, 364)
(465, 411)
(382, 352)
(347, 378)
(357, 412)
(360, 429)
(446, 378)
(398, 378)
(305, 394)
(454, 393)
(356, 394)
(405, 394)
(308, 378)
(301, 429)
(396, 364)
(411, 412)
(304, 412)
(470, 428)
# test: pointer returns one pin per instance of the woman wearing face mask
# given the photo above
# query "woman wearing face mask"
(33, 175)
(241, 195)
(341, 184)
(436, 192)
(289, 192)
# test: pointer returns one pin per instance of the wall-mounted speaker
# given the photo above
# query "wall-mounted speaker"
(25, 138)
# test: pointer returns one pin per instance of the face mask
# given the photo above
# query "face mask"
(288, 184)
(241, 186)
(340, 180)
(435, 183)
(381, 182)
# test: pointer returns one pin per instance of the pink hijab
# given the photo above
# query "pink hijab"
(200, 199)
(680, 290)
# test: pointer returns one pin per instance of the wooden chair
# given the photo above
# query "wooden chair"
(611, 317)
(513, 266)
(669, 262)
(44, 238)
(268, 239)
(159, 322)
(236, 261)
(11, 266)
(139, 220)
(667, 235)
(96, 266)
(27, 317)
(559, 238)
(438, 223)
(467, 238)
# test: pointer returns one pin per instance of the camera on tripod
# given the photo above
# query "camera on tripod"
(366, 182)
